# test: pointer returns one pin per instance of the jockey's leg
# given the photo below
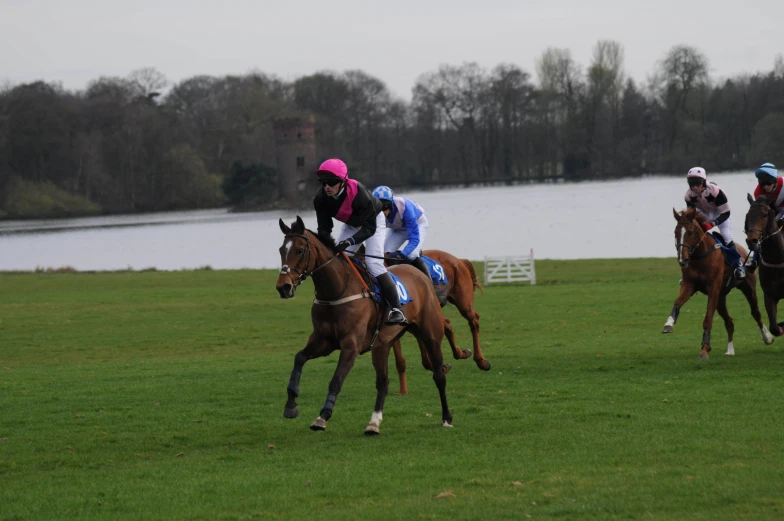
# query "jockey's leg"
(419, 264)
(375, 246)
(726, 231)
(393, 242)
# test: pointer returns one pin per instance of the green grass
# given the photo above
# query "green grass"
(159, 396)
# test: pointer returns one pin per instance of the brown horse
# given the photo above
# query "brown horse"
(703, 269)
(462, 282)
(347, 320)
(763, 235)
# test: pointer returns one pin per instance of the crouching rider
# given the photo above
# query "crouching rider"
(351, 203)
(405, 221)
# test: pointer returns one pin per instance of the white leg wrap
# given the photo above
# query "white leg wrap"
(670, 322)
(730, 349)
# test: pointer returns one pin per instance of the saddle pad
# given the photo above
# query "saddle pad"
(402, 291)
(731, 257)
(437, 272)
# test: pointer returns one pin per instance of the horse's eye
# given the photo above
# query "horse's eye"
(300, 250)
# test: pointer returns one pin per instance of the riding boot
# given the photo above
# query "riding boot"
(739, 272)
(419, 264)
(389, 293)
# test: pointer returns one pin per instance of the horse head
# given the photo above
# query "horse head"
(688, 234)
(297, 257)
(760, 221)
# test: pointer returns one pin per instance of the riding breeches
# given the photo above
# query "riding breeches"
(726, 230)
(396, 238)
(374, 245)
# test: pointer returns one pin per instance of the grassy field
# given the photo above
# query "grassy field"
(159, 396)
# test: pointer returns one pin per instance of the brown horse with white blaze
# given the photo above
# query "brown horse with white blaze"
(459, 291)
(703, 269)
(346, 319)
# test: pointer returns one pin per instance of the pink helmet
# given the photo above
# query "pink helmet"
(697, 171)
(334, 167)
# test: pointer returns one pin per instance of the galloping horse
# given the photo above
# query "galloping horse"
(346, 319)
(460, 292)
(703, 268)
(764, 236)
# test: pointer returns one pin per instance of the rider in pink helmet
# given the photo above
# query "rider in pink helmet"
(351, 203)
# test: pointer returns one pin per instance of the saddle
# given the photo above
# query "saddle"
(731, 257)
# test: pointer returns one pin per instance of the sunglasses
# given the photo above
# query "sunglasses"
(695, 182)
(329, 182)
(767, 183)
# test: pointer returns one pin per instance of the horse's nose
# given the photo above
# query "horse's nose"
(683, 263)
(752, 243)
(285, 290)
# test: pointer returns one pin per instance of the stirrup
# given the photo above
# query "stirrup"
(396, 317)
(739, 273)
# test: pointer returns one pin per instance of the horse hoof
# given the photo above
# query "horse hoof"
(704, 356)
(483, 364)
(668, 329)
(319, 425)
(291, 412)
(447, 424)
(446, 368)
(372, 430)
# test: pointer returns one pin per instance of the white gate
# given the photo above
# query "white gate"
(510, 269)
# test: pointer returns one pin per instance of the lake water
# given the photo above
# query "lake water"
(630, 218)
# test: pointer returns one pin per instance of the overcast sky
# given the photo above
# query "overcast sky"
(75, 41)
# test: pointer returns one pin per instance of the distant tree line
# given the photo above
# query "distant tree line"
(121, 145)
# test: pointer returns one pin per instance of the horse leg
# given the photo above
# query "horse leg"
(686, 291)
(707, 322)
(749, 290)
(348, 355)
(427, 336)
(458, 353)
(380, 363)
(771, 305)
(400, 365)
(728, 323)
(315, 348)
(465, 305)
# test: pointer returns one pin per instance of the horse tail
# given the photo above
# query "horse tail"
(474, 281)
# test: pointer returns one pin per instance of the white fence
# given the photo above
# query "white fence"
(510, 269)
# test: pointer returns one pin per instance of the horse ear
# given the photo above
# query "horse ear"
(675, 213)
(750, 198)
(300, 224)
(285, 229)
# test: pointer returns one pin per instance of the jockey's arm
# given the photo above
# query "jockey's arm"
(363, 206)
(409, 217)
(324, 221)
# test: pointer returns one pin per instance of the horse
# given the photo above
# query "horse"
(347, 319)
(703, 269)
(763, 235)
(459, 291)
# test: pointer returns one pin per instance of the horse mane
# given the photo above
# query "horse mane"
(327, 241)
(701, 219)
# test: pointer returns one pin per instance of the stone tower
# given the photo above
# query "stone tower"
(295, 156)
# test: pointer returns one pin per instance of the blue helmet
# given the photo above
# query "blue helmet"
(383, 193)
(767, 172)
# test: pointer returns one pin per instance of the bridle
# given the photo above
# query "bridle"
(693, 248)
(304, 273)
(763, 236)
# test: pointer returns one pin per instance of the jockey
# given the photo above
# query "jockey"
(349, 202)
(769, 184)
(711, 202)
(406, 221)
